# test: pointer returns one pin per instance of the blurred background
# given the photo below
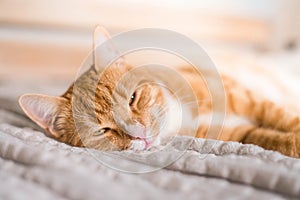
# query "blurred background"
(51, 38)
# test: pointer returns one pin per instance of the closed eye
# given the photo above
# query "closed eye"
(101, 131)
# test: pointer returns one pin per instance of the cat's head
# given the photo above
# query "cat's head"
(100, 111)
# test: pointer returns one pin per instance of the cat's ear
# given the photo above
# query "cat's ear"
(41, 109)
(104, 50)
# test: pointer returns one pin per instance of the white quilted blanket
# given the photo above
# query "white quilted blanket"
(33, 166)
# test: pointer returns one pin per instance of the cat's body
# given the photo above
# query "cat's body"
(84, 115)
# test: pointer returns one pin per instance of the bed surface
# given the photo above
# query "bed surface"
(34, 166)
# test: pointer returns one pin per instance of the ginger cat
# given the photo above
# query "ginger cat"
(71, 119)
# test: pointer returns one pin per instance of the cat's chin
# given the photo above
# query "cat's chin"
(137, 145)
(143, 144)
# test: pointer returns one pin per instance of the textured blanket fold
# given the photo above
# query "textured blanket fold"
(33, 166)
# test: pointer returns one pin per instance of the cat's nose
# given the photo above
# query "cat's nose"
(137, 131)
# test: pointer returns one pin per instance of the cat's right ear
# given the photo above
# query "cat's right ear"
(42, 110)
(104, 51)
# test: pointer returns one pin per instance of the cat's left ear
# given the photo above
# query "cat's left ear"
(42, 109)
(104, 51)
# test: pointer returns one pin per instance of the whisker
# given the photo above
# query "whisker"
(197, 101)
(179, 90)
